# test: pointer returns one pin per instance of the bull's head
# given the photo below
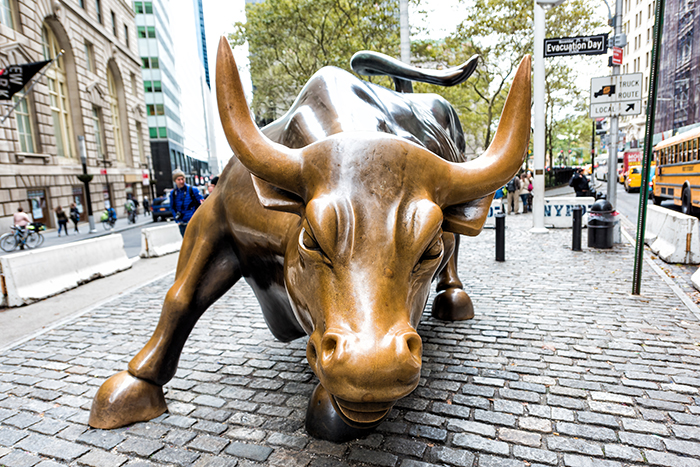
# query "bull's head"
(370, 240)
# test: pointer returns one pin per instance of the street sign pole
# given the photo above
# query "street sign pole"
(612, 148)
(646, 161)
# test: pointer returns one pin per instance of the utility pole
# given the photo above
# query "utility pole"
(538, 118)
(405, 32)
(614, 123)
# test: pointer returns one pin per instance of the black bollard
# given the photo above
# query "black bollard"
(501, 236)
(576, 230)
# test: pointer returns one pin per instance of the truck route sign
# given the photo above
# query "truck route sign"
(616, 95)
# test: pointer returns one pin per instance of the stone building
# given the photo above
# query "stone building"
(93, 91)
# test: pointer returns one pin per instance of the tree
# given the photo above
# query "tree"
(289, 40)
(500, 32)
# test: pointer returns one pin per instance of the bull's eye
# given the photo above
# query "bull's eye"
(434, 251)
(309, 241)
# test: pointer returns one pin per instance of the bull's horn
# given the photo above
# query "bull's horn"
(504, 156)
(268, 160)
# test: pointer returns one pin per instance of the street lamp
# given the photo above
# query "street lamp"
(538, 86)
(86, 179)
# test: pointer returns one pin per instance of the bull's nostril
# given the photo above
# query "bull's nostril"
(415, 346)
(311, 354)
(329, 345)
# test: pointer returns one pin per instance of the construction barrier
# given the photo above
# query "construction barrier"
(159, 241)
(672, 236)
(33, 275)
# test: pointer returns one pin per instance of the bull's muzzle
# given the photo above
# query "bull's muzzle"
(365, 374)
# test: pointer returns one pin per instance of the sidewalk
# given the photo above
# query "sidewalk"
(51, 237)
(561, 366)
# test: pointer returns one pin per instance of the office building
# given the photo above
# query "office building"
(93, 91)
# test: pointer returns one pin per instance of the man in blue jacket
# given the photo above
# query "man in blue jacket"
(184, 201)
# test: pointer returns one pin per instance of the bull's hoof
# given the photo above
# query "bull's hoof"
(323, 422)
(124, 399)
(453, 304)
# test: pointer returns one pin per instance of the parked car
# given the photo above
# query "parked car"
(161, 209)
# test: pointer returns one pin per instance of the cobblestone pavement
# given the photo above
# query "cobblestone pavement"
(561, 366)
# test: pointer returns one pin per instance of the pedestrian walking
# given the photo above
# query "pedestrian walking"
(62, 221)
(146, 206)
(212, 185)
(130, 210)
(513, 202)
(184, 201)
(75, 217)
(524, 192)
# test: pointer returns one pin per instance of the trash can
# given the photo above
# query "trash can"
(601, 220)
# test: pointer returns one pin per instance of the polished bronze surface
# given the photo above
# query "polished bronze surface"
(338, 215)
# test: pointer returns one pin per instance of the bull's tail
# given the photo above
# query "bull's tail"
(377, 64)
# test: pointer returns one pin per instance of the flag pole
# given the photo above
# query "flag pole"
(24, 96)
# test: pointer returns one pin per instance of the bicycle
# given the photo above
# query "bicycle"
(108, 222)
(30, 237)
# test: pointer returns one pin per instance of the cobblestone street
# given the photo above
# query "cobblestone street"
(561, 366)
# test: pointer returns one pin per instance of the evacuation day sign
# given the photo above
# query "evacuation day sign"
(579, 45)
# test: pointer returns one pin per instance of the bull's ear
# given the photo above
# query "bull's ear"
(468, 218)
(275, 198)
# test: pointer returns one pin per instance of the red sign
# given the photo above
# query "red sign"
(103, 171)
(617, 56)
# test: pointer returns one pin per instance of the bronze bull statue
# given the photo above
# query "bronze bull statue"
(339, 215)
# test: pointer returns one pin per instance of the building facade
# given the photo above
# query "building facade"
(678, 104)
(93, 91)
(638, 24)
(158, 36)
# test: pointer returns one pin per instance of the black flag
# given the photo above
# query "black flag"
(14, 77)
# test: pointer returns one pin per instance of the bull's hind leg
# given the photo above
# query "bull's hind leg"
(452, 303)
(206, 269)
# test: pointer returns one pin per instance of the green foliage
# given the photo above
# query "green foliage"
(289, 40)
(500, 32)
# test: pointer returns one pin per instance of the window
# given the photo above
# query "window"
(134, 89)
(148, 8)
(153, 132)
(157, 87)
(151, 62)
(97, 129)
(81, 3)
(138, 8)
(116, 121)
(126, 35)
(114, 23)
(162, 132)
(147, 86)
(58, 95)
(90, 57)
(6, 14)
(98, 10)
(24, 125)
(155, 109)
(151, 32)
(141, 31)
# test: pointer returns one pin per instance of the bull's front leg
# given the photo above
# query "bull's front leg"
(451, 303)
(206, 269)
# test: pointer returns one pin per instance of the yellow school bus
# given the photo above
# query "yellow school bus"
(678, 171)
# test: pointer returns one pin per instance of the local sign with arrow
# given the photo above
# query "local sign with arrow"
(616, 95)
